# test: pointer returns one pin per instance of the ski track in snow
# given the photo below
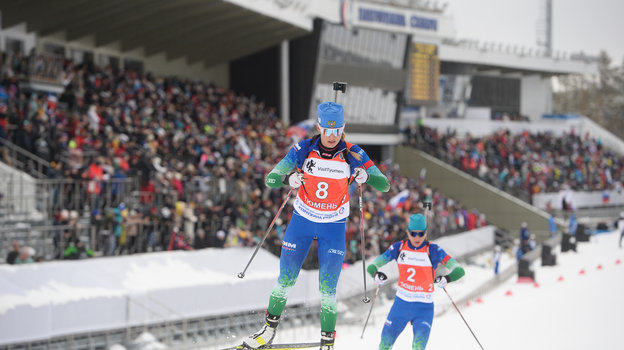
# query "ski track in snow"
(582, 311)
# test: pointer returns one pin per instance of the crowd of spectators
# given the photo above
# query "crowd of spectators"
(525, 164)
(20, 255)
(199, 153)
(385, 223)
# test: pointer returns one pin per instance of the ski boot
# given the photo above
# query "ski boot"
(265, 335)
(327, 340)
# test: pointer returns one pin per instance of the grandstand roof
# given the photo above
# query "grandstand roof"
(205, 31)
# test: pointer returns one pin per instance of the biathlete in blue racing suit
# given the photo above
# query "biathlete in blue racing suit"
(321, 168)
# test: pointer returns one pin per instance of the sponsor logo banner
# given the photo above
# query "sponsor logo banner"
(318, 215)
(414, 258)
(423, 297)
(326, 168)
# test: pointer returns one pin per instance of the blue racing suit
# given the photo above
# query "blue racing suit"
(322, 199)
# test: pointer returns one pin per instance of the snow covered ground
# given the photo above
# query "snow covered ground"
(576, 305)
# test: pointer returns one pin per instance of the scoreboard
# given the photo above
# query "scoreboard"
(424, 72)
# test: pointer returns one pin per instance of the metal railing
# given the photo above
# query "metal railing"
(209, 332)
(79, 195)
(85, 157)
(45, 67)
(142, 235)
(40, 238)
(30, 198)
(23, 160)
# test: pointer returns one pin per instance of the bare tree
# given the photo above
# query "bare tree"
(600, 97)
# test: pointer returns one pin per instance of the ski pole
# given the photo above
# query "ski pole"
(462, 316)
(369, 311)
(366, 299)
(427, 206)
(242, 274)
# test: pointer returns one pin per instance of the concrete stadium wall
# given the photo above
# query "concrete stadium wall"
(479, 128)
(501, 209)
(515, 60)
(535, 96)
(580, 199)
(157, 64)
(18, 191)
(608, 139)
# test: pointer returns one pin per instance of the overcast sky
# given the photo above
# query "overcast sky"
(578, 25)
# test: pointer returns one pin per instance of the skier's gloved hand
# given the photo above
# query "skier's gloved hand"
(295, 180)
(441, 281)
(380, 278)
(360, 175)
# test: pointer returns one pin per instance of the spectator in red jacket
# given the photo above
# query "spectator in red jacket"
(177, 241)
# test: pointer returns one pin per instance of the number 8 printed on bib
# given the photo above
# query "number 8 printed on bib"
(324, 196)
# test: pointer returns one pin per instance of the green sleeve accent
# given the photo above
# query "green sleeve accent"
(284, 167)
(273, 180)
(89, 252)
(377, 263)
(378, 180)
(457, 271)
(371, 269)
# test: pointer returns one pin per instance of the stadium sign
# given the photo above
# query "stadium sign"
(357, 14)
(396, 19)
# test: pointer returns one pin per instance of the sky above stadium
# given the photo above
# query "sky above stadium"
(578, 25)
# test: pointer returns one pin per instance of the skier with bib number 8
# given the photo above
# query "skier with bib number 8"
(321, 168)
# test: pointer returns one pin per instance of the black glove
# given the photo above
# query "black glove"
(380, 278)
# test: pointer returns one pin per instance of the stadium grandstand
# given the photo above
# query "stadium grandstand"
(130, 129)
